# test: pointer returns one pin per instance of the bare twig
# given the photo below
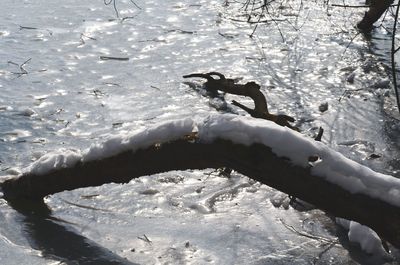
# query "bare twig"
(255, 28)
(354, 6)
(330, 245)
(111, 84)
(24, 27)
(33, 28)
(301, 233)
(126, 18)
(276, 24)
(157, 88)
(256, 22)
(21, 67)
(348, 92)
(138, 7)
(145, 239)
(393, 51)
(105, 58)
(348, 45)
(114, 3)
(106, 2)
(85, 36)
(84, 206)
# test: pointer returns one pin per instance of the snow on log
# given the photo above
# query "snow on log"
(260, 149)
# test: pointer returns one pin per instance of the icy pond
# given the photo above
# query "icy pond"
(60, 91)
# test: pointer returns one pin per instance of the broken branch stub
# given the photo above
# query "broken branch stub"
(375, 11)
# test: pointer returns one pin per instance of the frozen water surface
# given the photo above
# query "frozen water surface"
(57, 93)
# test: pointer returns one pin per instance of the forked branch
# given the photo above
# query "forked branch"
(250, 89)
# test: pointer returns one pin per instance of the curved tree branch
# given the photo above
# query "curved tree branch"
(256, 161)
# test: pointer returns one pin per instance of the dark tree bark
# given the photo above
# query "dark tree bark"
(375, 11)
(256, 161)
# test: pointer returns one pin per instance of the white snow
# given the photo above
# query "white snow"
(62, 158)
(333, 166)
(368, 240)
(13, 171)
(166, 131)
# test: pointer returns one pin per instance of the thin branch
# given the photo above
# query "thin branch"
(393, 58)
(330, 246)
(84, 206)
(348, 45)
(138, 7)
(82, 36)
(301, 233)
(24, 27)
(145, 239)
(256, 22)
(355, 6)
(276, 24)
(106, 58)
(106, 2)
(114, 3)
(21, 67)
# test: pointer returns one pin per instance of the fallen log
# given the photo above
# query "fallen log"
(271, 154)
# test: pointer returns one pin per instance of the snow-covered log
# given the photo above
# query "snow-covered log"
(274, 155)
